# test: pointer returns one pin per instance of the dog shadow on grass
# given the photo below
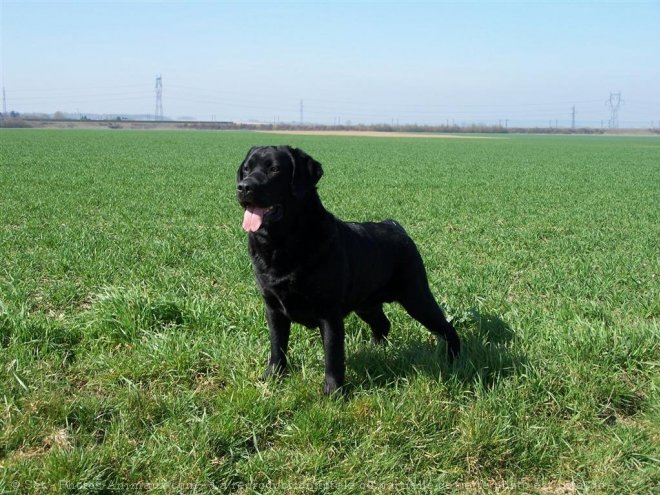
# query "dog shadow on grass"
(488, 355)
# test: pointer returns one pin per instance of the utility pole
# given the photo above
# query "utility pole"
(4, 103)
(158, 115)
(301, 112)
(573, 118)
(614, 103)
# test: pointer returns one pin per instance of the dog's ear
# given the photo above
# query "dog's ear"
(240, 174)
(306, 172)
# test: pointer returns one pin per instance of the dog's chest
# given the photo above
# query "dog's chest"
(290, 296)
(298, 308)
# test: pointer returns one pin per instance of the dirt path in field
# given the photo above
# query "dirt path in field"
(381, 134)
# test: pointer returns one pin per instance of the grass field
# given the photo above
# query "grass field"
(132, 335)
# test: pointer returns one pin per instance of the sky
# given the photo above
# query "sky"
(423, 62)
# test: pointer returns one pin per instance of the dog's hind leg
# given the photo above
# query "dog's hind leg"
(417, 299)
(376, 319)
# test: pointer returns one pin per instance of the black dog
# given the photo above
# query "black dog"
(314, 269)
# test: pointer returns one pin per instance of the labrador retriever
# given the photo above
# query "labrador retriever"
(314, 269)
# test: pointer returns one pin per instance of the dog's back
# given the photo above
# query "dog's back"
(378, 255)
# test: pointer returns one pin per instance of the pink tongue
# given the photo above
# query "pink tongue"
(252, 218)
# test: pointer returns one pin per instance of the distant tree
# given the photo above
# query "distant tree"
(59, 115)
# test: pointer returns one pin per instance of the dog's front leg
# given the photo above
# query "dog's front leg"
(280, 327)
(332, 332)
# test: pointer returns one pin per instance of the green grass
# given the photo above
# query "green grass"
(132, 335)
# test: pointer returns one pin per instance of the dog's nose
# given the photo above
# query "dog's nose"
(245, 187)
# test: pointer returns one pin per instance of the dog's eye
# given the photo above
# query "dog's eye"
(273, 170)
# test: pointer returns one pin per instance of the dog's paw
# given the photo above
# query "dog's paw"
(453, 349)
(273, 371)
(332, 387)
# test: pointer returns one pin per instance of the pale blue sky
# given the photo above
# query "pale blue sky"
(363, 61)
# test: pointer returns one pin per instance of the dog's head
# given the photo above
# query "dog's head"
(272, 180)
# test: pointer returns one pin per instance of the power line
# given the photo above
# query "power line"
(327, 109)
(79, 90)
(363, 108)
(77, 96)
